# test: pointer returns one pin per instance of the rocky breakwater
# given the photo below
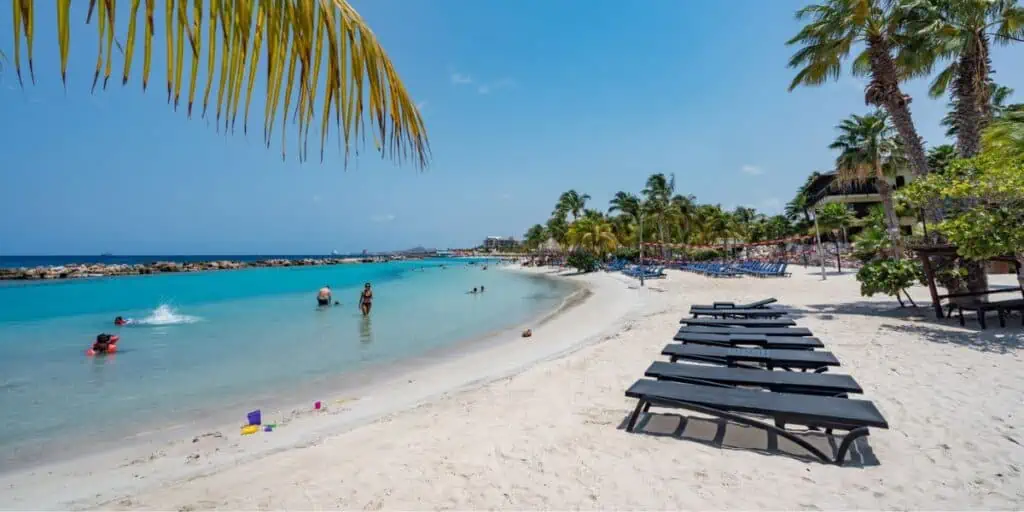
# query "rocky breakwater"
(156, 267)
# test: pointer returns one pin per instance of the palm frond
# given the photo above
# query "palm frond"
(299, 41)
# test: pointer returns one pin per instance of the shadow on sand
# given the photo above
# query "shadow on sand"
(922, 323)
(723, 434)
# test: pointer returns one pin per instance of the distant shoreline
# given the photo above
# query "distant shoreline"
(169, 264)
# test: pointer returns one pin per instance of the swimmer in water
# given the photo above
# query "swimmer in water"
(481, 289)
(366, 299)
(323, 297)
(104, 343)
(119, 321)
(472, 291)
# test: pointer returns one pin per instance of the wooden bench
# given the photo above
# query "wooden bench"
(1001, 308)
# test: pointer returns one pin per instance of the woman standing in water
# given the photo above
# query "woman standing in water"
(366, 300)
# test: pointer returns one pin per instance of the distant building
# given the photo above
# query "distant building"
(860, 197)
(500, 243)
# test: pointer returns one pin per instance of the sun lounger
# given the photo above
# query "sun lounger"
(757, 340)
(737, 313)
(782, 382)
(746, 357)
(739, 322)
(767, 331)
(853, 416)
(757, 304)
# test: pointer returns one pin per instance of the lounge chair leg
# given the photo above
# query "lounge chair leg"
(981, 319)
(847, 442)
(960, 311)
(641, 407)
(1002, 318)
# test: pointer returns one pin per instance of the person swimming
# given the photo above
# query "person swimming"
(104, 344)
(323, 297)
(120, 321)
(366, 299)
(472, 291)
(481, 289)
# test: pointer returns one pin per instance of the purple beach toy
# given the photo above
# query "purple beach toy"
(254, 417)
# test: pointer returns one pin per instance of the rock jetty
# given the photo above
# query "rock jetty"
(156, 267)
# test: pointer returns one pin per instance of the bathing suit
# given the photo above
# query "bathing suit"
(367, 298)
(323, 302)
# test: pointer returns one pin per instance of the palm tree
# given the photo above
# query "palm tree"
(571, 202)
(535, 237)
(682, 209)
(961, 31)
(835, 27)
(593, 234)
(835, 217)
(800, 204)
(626, 204)
(300, 42)
(869, 150)
(658, 193)
(998, 96)
(557, 229)
(1007, 134)
(939, 157)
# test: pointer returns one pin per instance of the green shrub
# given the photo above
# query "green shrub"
(582, 261)
(627, 253)
(889, 276)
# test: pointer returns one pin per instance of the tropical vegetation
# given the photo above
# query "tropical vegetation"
(890, 42)
(306, 47)
(659, 215)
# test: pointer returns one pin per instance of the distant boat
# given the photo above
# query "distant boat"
(335, 253)
(106, 255)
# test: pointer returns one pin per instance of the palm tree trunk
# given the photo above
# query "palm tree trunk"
(884, 90)
(839, 258)
(892, 222)
(970, 111)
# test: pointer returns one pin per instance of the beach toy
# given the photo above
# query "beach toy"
(254, 417)
(317, 405)
(250, 429)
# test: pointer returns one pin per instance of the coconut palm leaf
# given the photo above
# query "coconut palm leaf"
(301, 42)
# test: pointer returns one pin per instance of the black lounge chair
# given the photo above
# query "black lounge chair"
(737, 312)
(757, 340)
(830, 413)
(739, 322)
(763, 303)
(767, 331)
(745, 357)
(783, 382)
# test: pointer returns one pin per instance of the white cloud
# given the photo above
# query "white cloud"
(461, 79)
(752, 170)
(483, 89)
(383, 218)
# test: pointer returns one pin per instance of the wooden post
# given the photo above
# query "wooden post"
(929, 274)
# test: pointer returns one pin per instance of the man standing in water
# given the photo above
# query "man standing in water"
(366, 300)
(323, 297)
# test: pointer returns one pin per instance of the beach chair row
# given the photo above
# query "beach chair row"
(647, 271)
(724, 365)
(762, 269)
(710, 269)
(750, 268)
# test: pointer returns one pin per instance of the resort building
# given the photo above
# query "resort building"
(499, 243)
(860, 197)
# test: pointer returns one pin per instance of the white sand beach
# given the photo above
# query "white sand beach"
(537, 423)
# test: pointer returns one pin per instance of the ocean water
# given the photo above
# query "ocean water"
(210, 340)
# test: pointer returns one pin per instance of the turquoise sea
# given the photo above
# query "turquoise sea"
(215, 340)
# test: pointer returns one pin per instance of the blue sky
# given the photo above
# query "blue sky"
(522, 101)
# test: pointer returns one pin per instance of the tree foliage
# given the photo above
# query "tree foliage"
(306, 47)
